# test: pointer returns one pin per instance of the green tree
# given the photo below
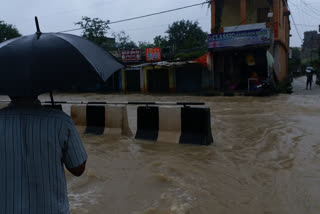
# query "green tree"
(143, 45)
(95, 30)
(184, 37)
(161, 41)
(123, 41)
(8, 31)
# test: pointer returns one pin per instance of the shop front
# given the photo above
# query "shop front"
(241, 59)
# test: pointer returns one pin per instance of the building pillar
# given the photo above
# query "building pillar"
(243, 11)
(172, 82)
(123, 81)
(142, 80)
(213, 15)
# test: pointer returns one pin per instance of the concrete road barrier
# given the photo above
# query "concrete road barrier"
(3, 105)
(147, 123)
(169, 124)
(101, 119)
(58, 107)
(196, 126)
(187, 125)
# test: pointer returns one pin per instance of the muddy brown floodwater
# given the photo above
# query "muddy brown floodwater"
(265, 159)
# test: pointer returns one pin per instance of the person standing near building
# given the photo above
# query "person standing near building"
(35, 144)
(309, 74)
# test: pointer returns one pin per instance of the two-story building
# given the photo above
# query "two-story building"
(249, 41)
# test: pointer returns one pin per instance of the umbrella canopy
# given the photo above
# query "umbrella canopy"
(40, 63)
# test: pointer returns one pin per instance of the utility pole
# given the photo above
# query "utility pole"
(213, 25)
(311, 50)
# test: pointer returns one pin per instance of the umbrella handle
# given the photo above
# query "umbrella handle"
(51, 97)
(37, 25)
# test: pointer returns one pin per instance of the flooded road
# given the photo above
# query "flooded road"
(265, 159)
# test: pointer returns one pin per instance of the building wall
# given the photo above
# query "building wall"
(252, 10)
(234, 11)
(231, 13)
(281, 38)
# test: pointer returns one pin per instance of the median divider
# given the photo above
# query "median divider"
(3, 105)
(169, 124)
(101, 119)
(57, 107)
(196, 126)
(186, 125)
(158, 122)
(147, 123)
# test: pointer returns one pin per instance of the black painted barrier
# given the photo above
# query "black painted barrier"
(95, 119)
(58, 107)
(141, 103)
(147, 123)
(97, 103)
(196, 126)
(191, 103)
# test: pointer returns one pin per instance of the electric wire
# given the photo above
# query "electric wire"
(144, 16)
(294, 23)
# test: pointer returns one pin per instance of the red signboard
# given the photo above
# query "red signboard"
(153, 54)
(131, 55)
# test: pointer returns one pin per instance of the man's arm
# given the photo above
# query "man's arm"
(78, 171)
(74, 154)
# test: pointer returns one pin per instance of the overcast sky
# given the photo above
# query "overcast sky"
(59, 15)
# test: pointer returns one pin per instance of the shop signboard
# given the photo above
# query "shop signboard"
(131, 55)
(153, 54)
(239, 39)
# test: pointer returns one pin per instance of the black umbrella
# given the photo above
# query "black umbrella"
(39, 63)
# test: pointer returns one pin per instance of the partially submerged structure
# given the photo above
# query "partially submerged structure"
(249, 43)
(186, 76)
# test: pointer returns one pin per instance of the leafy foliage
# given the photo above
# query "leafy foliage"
(123, 41)
(143, 45)
(8, 31)
(95, 30)
(186, 34)
(161, 41)
(185, 37)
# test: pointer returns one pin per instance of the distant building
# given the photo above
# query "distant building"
(249, 39)
(156, 77)
(311, 45)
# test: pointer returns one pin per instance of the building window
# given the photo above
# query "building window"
(263, 15)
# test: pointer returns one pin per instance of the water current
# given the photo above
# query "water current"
(265, 159)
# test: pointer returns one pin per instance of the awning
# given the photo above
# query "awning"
(203, 60)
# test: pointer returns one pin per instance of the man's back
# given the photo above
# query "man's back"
(35, 142)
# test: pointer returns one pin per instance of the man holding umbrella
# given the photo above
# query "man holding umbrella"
(36, 142)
